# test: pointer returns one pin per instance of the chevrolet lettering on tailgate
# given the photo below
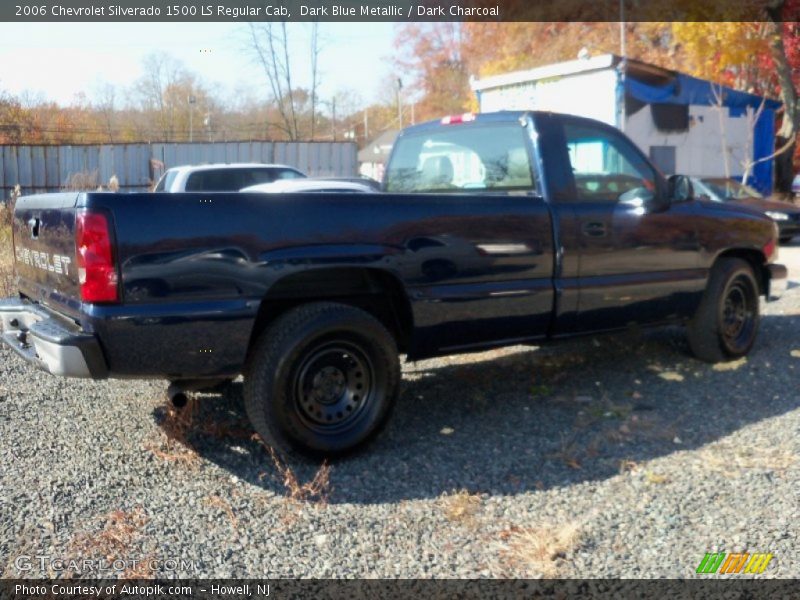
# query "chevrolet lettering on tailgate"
(55, 263)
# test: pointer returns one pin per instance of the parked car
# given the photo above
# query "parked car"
(719, 189)
(482, 239)
(310, 185)
(222, 177)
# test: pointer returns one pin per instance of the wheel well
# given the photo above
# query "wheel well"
(756, 259)
(378, 292)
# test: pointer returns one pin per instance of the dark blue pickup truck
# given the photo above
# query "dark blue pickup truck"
(493, 229)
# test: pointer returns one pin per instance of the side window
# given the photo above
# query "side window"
(270, 175)
(221, 180)
(606, 166)
(288, 174)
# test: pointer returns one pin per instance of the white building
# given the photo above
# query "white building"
(681, 122)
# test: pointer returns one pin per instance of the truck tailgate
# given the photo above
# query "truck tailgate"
(44, 250)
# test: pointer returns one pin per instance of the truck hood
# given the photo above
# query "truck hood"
(765, 204)
(734, 208)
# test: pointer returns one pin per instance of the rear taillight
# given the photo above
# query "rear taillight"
(97, 273)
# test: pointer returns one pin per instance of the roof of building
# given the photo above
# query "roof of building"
(644, 81)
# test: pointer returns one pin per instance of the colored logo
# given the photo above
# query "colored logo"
(721, 563)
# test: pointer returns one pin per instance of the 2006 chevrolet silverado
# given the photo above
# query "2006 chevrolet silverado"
(492, 230)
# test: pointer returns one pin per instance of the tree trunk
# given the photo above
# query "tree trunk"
(784, 170)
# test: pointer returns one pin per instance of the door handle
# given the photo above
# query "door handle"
(594, 229)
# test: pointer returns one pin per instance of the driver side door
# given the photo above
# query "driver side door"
(636, 251)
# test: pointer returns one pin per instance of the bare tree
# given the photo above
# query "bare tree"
(270, 44)
(161, 72)
(752, 115)
(105, 95)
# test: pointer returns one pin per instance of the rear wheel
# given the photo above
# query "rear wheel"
(322, 379)
(726, 323)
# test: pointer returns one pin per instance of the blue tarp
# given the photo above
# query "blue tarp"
(685, 89)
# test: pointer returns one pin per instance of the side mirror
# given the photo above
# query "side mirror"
(679, 188)
(641, 201)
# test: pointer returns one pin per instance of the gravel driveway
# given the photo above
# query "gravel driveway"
(609, 457)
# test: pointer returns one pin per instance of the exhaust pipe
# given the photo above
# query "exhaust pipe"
(178, 391)
(177, 395)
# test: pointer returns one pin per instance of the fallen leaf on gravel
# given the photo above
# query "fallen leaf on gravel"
(447, 430)
(795, 353)
(671, 376)
(730, 366)
(655, 478)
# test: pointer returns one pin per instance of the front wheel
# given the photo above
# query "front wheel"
(322, 379)
(726, 322)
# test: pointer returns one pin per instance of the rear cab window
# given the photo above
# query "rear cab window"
(462, 158)
(233, 180)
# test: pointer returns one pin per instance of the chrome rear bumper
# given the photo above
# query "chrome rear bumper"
(48, 342)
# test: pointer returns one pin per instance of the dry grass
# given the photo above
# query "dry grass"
(174, 445)
(461, 506)
(220, 503)
(537, 551)
(568, 452)
(6, 251)
(120, 531)
(315, 491)
(179, 424)
(117, 540)
(729, 460)
(82, 181)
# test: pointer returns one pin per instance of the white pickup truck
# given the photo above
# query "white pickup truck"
(223, 177)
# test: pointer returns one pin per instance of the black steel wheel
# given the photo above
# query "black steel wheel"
(726, 322)
(739, 313)
(322, 380)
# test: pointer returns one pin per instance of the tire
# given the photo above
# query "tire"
(785, 239)
(322, 380)
(726, 322)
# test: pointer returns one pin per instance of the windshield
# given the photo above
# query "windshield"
(166, 180)
(458, 158)
(725, 189)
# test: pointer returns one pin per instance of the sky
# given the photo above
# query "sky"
(59, 60)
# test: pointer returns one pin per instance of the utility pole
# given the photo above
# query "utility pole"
(333, 112)
(192, 100)
(399, 104)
